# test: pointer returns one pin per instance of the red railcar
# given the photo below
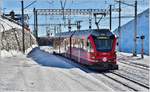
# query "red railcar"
(94, 48)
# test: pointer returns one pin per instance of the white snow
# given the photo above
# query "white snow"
(10, 53)
(129, 57)
(15, 53)
(7, 25)
(48, 73)
(47, 48)
(45, 72)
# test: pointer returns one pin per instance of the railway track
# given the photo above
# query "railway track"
(130, 75)
(143, 84)
(126, 82)
(140, 75)
(144, 67)
(134, 72)
(114, 76)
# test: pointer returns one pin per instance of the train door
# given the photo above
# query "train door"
(89, 46)
(90, 50)
(79, 47)
(64, 47)
(82, 51)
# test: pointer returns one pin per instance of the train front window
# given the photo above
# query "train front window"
(103, 44)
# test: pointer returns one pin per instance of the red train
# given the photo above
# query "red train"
(93, 48)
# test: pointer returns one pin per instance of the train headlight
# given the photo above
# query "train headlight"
(93, 57)
(96, 61)
(104, 59)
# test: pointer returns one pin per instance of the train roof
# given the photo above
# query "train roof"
(85, 33)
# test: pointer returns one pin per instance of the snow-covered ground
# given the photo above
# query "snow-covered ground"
(24, 74)
(129, 58)
(43, 71)
(15, 53)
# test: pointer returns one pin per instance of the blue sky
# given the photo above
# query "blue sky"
(15, 5)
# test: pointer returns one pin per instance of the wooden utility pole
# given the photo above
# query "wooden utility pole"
(35, 24)
(135, 30)
(119, 27)
(22, 9)
(110, 15)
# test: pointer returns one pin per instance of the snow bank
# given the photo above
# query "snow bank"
(47, 59)
(24, 74)
(11, 53)
(129, 57)
(47, 49)
(15, 53)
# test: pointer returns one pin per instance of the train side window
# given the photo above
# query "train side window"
(79, 44)
(85, 45)
(82, 43)
(76, 43)
(65, 43)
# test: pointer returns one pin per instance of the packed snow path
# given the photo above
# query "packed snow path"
(47, 74)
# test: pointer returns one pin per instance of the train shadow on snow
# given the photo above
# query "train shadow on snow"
(47, 59)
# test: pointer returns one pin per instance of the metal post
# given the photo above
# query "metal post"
(135, 30)
(4, 11)
(55, 31)
(23, 46)
(110, 12)
(90, 19)
(69, 28)
(69, 25)
(90, 23)
(119, 27)
(59, 31)
(70, 47)
(0, 38)
(60, 28)
(78, 25)
(59, 44)
(36, 25)
(142, 46)
(34, 22)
